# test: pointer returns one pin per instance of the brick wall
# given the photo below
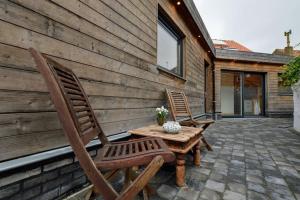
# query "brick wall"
(50, 179)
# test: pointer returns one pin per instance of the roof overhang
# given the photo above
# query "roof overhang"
(243, 56)
(198, 26)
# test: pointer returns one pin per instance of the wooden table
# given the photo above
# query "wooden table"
(181, 143)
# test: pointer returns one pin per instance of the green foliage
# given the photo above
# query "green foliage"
(291, 74)
(162, 112)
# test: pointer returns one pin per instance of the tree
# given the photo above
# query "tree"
(291, 74)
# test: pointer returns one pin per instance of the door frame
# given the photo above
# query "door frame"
(242, 85)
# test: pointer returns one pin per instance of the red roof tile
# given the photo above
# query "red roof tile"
(230, 44)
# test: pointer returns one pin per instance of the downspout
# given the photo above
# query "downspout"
(214, 92)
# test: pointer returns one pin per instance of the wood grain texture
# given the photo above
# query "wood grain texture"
(110, 45)
(185, 134)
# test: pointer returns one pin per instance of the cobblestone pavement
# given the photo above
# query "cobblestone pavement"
(253, 159)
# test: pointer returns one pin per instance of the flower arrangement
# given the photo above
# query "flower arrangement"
(172, 127)
(161, 115)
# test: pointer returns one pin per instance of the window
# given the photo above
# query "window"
(283, 90)
(169, 46)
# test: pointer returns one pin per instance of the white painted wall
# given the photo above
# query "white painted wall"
(296, 92)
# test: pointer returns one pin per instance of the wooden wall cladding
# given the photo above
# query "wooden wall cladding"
(110, 45)
(274, 101)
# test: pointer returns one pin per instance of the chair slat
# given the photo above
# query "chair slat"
(87, 127)
(70, 86)
(81, 109)
(65, 80)
(79, 103)
(87, 137)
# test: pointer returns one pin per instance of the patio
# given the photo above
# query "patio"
(252, 159)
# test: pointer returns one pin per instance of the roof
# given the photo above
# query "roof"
(201, 26)
(248, 56)
(229, 44)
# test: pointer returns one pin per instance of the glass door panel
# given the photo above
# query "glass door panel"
(253, 94)
(231, 97)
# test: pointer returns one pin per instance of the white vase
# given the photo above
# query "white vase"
(296, 98)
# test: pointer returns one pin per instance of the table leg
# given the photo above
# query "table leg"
(180, 170)
(197, 154)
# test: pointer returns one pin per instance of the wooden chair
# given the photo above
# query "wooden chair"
(180, 109)
(81, 126)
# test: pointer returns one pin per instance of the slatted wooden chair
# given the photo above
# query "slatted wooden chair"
(180, 109)
(80, 126)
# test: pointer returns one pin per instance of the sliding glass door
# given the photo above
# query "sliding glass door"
(253, 94)
(242, 94)
(231, 94)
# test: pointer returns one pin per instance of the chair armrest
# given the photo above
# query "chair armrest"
(140, 182)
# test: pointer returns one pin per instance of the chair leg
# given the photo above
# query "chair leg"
(127, 179)
(134, 175)
(208, 146)
(145, 194)
(140, 182)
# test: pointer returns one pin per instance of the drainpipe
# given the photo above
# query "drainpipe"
(214, 93)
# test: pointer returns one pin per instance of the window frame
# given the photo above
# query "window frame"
(169, 26)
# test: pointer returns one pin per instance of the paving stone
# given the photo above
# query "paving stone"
(254, 179)
(275, 180)
(281, 189)
(229, 195)
(237, 163)
(254, 172)
(166, 192)
(256, 196)
(277, 196)
(289, 171)
(256, 187)
(252, 158)
(187, 194)
(216, 177)
(216, 186)
(209, 195)
(205, 171)
(195, 184)
(237, 187)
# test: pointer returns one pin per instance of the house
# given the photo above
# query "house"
(248, 83)
(125, 52)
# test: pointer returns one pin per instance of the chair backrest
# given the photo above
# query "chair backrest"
(179, 104)
(76, 115)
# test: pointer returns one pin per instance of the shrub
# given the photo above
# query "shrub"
(291, 74)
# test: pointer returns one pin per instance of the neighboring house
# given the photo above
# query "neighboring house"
(248, 83)
(285, 51)
(126, 53)
(229, 45)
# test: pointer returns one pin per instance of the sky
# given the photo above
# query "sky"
(257, 24)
